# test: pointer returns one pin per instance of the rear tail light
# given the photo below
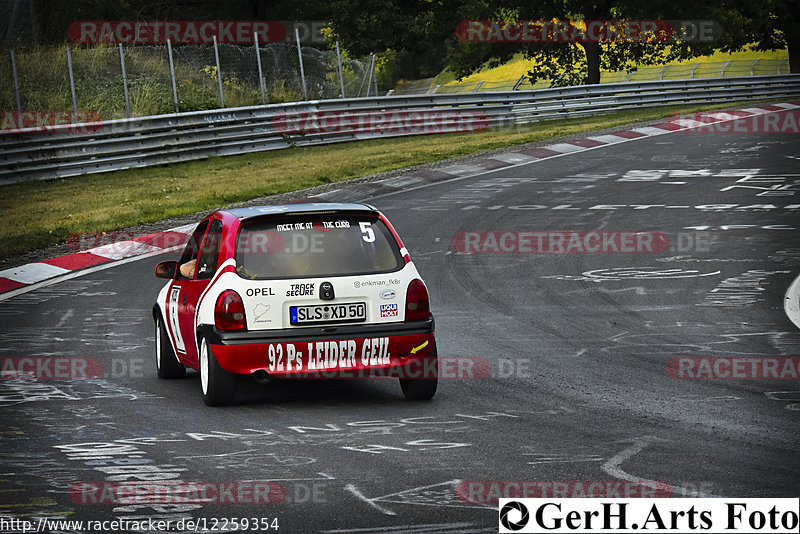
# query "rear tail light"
(229, 312)
(418, 307)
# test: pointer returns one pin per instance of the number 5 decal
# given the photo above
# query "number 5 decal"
(369, 233)
(174, 297)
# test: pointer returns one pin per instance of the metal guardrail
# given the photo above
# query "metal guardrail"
(156, 140)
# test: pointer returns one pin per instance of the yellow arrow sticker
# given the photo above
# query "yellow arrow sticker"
(417, 349)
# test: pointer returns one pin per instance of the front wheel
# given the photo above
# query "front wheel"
(219, 386)
(167, 365)
(422, 388)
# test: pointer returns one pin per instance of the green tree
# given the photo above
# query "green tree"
(417, 32)
(420, 32)
(770, 24)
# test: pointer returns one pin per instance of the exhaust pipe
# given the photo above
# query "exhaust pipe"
(261, 376)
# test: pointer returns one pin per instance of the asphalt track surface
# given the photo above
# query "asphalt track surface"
(573, 351)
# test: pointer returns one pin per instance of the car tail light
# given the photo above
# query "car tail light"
(229, 312)
(418, 307)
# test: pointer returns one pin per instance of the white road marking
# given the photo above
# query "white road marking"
(612, 467)
(32, 273)
(691, 123)
(65, 318)
(514, 157)
(609, 139)
(123, 249)
(185, 229)
(648, 130)
(355, 491)
(564, 147)
(401, 181)
(461, 170)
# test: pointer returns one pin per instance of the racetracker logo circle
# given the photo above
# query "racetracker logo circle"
(514, 508)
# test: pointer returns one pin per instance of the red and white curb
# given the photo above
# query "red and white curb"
(33, 273)
(13, 281)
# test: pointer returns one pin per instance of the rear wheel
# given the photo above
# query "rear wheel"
(219, 386)
(422, 388)
(167, 365)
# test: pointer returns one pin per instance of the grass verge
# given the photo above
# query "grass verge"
(38, 214)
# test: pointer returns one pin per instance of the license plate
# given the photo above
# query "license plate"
(328, 313)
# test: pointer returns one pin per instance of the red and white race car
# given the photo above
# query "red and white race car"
(295, 291)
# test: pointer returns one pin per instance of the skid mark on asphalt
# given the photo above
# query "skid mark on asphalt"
(791, 396)
(14, 392)
(689, 339)
(70, 288)
(613, 467)
(249, 458)
(627, 273)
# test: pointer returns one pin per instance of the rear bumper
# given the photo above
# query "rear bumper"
(399, 349)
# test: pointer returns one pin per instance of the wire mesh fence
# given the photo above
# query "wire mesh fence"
(707, 69)
(133, 81)
(101, 74)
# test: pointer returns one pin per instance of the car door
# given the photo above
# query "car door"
(196, 268)
(193, 288)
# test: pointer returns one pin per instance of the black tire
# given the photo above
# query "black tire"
(218, 385)
(422, 388)
(167, 364)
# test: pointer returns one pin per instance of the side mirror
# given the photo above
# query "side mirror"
(167, 269)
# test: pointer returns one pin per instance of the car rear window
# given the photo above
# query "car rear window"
(306, 246)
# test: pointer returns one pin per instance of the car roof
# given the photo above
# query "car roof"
(316, 207)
